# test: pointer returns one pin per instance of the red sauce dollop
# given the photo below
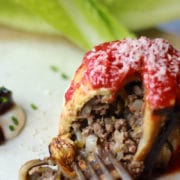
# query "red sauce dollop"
(156, 62)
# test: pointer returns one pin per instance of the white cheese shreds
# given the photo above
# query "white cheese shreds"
(91, 143)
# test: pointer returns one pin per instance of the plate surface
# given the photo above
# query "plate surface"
(25, 68)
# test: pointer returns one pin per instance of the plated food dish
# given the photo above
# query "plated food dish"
(25, 69)
(121, 98)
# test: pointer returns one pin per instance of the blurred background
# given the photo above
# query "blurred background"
(86, 23)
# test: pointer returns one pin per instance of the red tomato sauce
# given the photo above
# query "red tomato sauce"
(111, 64)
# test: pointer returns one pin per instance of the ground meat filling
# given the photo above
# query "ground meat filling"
(116, 126)
(42, 173)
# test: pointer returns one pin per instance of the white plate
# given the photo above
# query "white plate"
(25, 62)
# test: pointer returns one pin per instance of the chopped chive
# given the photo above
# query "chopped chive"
(54, 68)
(15, 120)
(64, 76)
(3, 99)
(11, 128)
(34, 107)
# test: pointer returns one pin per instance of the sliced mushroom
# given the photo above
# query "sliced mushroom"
(12, 122)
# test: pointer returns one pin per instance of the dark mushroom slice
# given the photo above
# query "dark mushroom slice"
(6, 100)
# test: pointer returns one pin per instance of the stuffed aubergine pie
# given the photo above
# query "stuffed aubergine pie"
(124, 100)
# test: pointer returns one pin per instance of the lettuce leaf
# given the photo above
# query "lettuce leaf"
(15, 16)
(85, 23)
(138, 15)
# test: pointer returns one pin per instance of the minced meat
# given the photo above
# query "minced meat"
(118, 126)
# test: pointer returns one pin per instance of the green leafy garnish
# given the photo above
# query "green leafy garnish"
(34, 107)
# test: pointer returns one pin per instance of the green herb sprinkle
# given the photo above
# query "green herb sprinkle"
(54, 68)
(3, 99)
(34, 107)
(64, 76)
(11, 128)
(15, 120)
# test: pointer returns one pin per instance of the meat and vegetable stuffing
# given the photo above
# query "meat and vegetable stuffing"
(121, 97)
